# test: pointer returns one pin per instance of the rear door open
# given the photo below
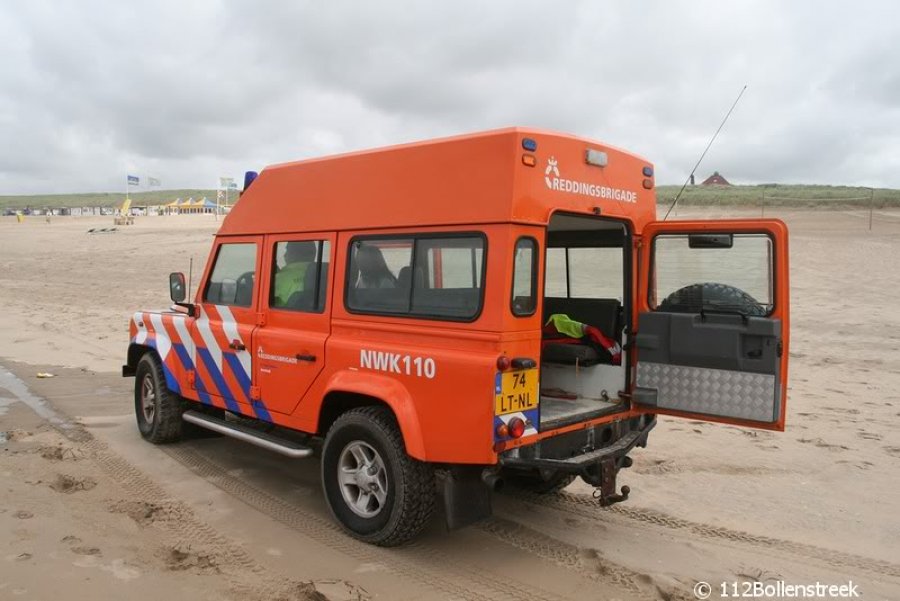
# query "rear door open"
(712, 325)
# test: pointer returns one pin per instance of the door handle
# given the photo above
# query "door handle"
(310, 358)
(237, 345)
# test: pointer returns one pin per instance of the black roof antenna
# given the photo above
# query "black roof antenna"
(713, 139)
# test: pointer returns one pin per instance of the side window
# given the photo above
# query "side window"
(585, 272)
(300, 275)
(233, 275)
(596, 272)
(724, 272)
(379, 270)
(524, 285)
(435, 277)
(446, 281)
(555, 274)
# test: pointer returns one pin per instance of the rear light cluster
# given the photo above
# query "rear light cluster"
(515, 428)
(648, 175)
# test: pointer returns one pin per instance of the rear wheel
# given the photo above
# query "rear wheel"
(377, 492)
(158, 409)
(535, 481)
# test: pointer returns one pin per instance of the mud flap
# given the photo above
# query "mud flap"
(467, 499)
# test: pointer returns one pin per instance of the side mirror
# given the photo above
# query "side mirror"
(711, 240)
(177, 287)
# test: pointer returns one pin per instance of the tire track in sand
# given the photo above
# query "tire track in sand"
(415, 561)
(589, 508)
(587, 562)
(251, 580)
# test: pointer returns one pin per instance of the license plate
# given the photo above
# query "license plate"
(516, 391)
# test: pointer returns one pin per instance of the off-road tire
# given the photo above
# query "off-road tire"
(410, 483)
(691, 299)
(166, 423)
(534, 482)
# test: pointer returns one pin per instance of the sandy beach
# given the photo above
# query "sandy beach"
(86, 500)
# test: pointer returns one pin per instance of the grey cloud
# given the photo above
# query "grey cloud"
(190, 91)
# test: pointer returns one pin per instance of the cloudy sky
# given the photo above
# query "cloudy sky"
(190, 90)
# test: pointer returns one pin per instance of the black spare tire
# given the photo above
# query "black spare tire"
(711, 296)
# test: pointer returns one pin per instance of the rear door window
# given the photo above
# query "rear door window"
(300, 275)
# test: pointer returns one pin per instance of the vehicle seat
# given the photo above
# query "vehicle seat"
(604, 314)
(243, 296)
(404, 278)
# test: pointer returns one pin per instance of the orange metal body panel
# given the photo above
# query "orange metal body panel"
(462, 180)
(476, 183)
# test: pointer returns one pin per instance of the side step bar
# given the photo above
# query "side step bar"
(241, 432)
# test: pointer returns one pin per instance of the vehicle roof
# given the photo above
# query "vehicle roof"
(470, 179)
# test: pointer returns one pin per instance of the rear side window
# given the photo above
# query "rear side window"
(524, 284)
(423, 276)
(233, 275)
(300, 275)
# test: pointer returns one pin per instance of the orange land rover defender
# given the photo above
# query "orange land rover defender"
(444, 315)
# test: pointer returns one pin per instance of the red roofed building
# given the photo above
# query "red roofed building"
(715, 180)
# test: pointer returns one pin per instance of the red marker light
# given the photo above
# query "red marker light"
(516, 427)
(502, 431)
(503, 363)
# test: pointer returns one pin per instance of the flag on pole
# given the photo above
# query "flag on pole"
(134, 180)
(152, 181)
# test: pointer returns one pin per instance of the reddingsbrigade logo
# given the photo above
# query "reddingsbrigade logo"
(555, 182)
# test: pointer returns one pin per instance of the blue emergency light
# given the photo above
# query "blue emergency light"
(249, 177)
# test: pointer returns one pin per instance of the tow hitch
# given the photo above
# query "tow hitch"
(574, 453)
(603, 476)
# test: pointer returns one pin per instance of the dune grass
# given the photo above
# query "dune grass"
(774, 195)
(780, 195)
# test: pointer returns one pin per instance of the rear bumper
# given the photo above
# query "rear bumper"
(582, 451)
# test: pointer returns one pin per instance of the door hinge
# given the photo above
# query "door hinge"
(260, 319)
(192, 379)
(254, 393)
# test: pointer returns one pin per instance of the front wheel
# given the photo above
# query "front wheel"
(377, 492)
(158, 409)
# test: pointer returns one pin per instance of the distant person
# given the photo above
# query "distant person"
(298, 256)
(373, 269)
